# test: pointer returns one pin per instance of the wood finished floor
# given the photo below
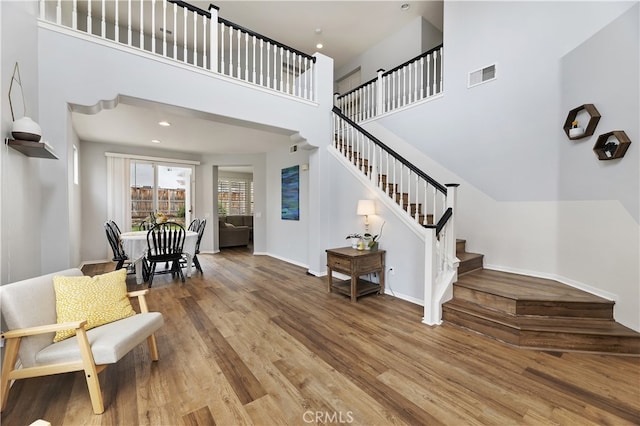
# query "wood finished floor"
(257, 341)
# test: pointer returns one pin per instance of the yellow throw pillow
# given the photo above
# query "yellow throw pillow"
(99, 300)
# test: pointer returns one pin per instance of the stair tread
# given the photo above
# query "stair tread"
(593, 326)
(465, 255)
(522, 288)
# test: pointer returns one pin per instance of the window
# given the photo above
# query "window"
(160, 188)
(76, 177)
(235, 195)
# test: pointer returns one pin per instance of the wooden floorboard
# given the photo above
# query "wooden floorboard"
(258, 341)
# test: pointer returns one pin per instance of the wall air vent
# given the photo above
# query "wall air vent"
(482, 75)
(293, 148)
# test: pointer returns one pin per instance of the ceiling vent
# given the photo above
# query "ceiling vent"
(482, 75)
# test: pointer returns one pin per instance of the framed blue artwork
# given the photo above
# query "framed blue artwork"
(291, 193)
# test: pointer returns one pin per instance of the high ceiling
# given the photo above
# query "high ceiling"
(345, 28)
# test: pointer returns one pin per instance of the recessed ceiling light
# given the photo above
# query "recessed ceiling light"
(164, 123)
(318, 30)
(319, 46)
(155, 141)
(405, 6)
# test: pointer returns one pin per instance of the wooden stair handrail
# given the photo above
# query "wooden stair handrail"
(442, 222)
(394, 154)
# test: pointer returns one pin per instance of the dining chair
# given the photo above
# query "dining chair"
(113, 236)
(119, 254)
(201, 226)
(165, 242)
(145, 225)
(115, 226)
(194, 225)
(200, 230)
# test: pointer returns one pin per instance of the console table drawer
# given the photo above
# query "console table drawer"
(339, 264)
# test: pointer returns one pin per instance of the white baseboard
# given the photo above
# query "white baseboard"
(284, 259)
(564, 280)
(411, 299)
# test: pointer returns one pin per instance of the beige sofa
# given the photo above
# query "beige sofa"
(235, 230)
(239, 220)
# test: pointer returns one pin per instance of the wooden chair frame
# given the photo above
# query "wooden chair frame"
(91, 370)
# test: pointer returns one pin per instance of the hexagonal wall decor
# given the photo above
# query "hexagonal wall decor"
(607, 148)
(594, 118)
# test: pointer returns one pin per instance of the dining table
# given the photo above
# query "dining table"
(135, 246)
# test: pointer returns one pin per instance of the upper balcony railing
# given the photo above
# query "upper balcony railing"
(182, 32)
(417, 79)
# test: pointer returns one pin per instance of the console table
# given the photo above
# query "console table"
(355, 263)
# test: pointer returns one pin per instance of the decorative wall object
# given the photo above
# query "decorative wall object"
(26, 132)
(291, 193)
(24, 128)
(612, 145)
(574, 129)
(16, 95)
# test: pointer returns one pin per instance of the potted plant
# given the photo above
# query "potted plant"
(355, 238)
(371, 241)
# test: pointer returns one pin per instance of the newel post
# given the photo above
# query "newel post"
(450, 243)
(379, 94)
(213, 38)
(430, 273)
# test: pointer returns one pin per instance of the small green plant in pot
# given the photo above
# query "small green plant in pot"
(371, 241)
(355, 238)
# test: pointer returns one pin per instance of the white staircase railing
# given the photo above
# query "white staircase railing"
(418, 79)
(182, 32)
(427, 203)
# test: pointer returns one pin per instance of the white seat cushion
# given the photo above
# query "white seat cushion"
(109, 342)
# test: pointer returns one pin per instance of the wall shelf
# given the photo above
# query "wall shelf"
(32, 149)
(594, 118)
(608, 150)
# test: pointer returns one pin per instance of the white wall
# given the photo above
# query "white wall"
(597, 238)
(294, 248)
(518, 116)
(75, 198)
(535, 197)
(611, 83)
(20, 205)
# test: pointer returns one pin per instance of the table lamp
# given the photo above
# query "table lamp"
(365, 208)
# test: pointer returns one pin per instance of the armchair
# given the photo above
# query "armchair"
(29, 310)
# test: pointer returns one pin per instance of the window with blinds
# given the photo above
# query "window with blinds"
(235, 196)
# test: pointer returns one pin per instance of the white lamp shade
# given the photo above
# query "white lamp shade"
(26, 129)
(366, 207)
